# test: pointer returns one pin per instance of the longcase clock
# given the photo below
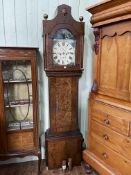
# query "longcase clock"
(63, 57)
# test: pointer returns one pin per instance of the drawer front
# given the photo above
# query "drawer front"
(112, 117)
(111, 158)
(20, 141)
(112, 139)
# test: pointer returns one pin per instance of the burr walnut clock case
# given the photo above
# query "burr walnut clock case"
(109, 138)
(18, 103)
(63, 44)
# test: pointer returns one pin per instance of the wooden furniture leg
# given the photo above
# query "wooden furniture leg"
(87, 167)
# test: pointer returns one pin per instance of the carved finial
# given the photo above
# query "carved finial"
(81, 18)
(45, 16)
(64, 11)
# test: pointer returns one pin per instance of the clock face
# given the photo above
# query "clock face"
(64, 52)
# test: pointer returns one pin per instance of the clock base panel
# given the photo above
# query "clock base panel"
(62, 147)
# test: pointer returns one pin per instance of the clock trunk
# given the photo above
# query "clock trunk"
(63, 104)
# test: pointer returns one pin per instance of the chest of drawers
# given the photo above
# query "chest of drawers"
(109, 135)
(109, 117)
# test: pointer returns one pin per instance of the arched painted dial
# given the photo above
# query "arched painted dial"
(63, 53)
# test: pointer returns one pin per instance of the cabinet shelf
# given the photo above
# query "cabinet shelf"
(18, 103)
(18, 81)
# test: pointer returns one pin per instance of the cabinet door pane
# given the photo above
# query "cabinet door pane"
(17, 81)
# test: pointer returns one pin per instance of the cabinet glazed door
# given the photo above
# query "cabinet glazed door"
(18, 104)
(114, 74)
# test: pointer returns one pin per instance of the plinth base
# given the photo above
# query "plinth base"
(61, 147)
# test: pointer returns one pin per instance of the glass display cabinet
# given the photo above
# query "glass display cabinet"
(18, 103)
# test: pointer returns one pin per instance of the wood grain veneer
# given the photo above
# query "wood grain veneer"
(109, 117)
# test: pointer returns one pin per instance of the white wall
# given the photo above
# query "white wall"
(21, 26)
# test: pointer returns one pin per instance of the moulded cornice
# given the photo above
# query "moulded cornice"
(110, 11)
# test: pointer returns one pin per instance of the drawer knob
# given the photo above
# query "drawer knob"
(106, 121)
(105, 155)
(106, 137)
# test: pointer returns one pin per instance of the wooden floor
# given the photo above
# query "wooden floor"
(30, 168)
